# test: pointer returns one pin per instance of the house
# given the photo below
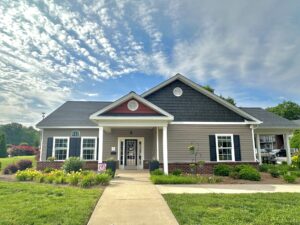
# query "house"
(159, 124)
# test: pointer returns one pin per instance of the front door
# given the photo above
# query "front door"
(131, 152)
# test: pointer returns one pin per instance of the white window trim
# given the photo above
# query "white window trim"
(232, 149)
(95, 150)
(53, 147)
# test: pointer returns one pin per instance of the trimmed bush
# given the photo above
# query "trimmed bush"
(177, 172)
(87, 181)
(48, 170)
(102, 178)
(274, 173)
(157, 172)
(73, 164)
(234, 175)
(10, 169)
(263, 168)
(24, 164)
(222, 170)
(289, 178)
(249, 174)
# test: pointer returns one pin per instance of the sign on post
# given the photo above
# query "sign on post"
(101, 167)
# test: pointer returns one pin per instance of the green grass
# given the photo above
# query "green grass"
(29, 203)
(6, 161)
(239, 209)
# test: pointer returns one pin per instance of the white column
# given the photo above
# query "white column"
(157, 143)
(165, 149)
(41, 144)
(287, 148)
(100, 148)
(253, 142)
(258, 148)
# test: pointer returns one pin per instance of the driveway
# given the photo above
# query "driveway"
(227, 188)
(132, 199)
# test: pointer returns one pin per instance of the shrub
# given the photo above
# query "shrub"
(284, 163)
(109, 172)
(51, 159)
(171, 179)
(222, 170)
(177, 172)
(274, 173)
(28, 174)
(10, 169)
(102, 178)
(87, 181)
(234, 175)
(60, 179)
(249, 174)
(0, 166)
(74, 178)
(39, 178)
(295, 173)
(289, 178)
(24, 164)
(73, 164)
(157, 172)
(49, 178)
(263, 168)
(48, 170)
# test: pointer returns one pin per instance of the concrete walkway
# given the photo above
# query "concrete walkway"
(132, 199)
(228, 188)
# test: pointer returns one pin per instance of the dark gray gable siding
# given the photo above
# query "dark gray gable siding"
(192, 105)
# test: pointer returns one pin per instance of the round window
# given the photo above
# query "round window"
(177, 91)
(133, 105)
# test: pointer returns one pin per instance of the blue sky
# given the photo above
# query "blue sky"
(53, 51)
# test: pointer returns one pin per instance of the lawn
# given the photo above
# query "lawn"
(239, 209)
(6, 161)
(31, 203)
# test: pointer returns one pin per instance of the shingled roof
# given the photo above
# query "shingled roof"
(73, 113)
(270, 120)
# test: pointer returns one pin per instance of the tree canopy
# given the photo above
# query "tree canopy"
(287, 109)
(228, 99)
(2, 145)
(16, 133)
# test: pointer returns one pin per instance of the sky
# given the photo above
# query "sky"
(54, 51)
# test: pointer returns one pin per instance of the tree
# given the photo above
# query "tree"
(3, 152)
(228, 99)
(295, 141)
(287, 109)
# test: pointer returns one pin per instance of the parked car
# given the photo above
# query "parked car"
(267, 156)
(281, 156)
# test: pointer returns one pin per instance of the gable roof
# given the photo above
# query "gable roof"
(270, 120)
(73, 114)
(203, 91)
(131, 95)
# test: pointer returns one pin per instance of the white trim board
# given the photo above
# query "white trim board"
(131, 95)
(213, 123)
(203, 91)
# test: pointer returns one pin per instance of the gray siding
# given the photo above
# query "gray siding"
(192, 105)
(110, 139)
(181, 136)
(64, 133)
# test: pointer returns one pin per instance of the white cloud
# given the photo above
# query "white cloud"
(48, 48)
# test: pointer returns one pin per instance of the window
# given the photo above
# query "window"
(177, 91)
(75, 133)
(225, 147)
(132, 105)
(88, 148)
(61, 148)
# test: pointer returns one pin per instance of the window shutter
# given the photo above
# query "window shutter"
(49, 147)
(237, 147)
(74, 148)
(212, 147)
(97, 148)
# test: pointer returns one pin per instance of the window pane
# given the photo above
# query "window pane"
(88, 148)
(225, 147)
(60, 148)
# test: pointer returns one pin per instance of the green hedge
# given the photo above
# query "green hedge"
(174, 179)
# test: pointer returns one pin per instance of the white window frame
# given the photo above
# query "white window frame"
(95, 149)
(68, 146)
(232, 147)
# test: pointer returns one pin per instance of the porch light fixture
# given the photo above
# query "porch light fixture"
(132, 105)
(177, 91)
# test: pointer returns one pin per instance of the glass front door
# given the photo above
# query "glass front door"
(131, 152)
